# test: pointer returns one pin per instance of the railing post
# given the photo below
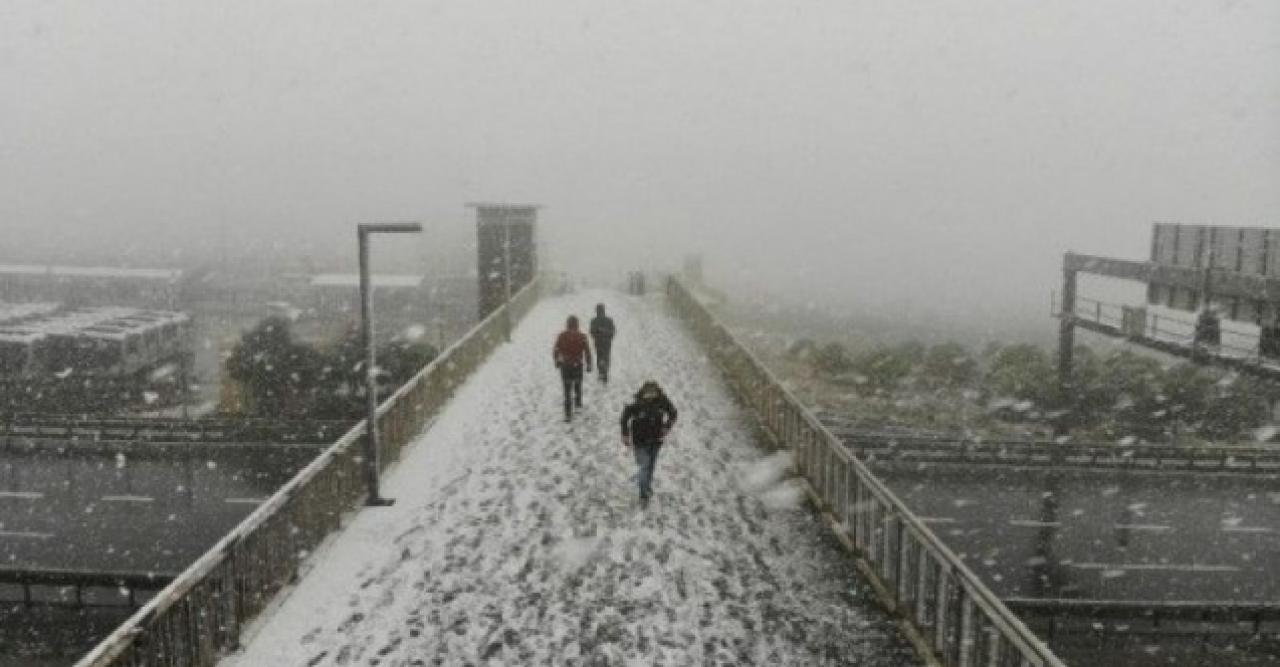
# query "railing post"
(903, 589)
(963, 626)
(940, 610)
(922, 587)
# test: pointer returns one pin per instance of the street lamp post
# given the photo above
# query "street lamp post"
(370, 373)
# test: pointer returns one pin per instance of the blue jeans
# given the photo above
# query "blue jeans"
(646, 458)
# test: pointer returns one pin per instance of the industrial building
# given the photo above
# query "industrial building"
(45, 340)
(87, 285)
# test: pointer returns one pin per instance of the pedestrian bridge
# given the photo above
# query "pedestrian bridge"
(516, 538)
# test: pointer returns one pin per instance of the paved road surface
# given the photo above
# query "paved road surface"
(135, 513)
(1104, 535)
(96, 511)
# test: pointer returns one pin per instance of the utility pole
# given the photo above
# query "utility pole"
(1066, 344)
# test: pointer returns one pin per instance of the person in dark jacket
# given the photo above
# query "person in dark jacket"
(1208, 330)
(572, 353)
(645, 424)
(602, 331)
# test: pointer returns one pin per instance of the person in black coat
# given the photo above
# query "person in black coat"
(602, 331)
(645, 424)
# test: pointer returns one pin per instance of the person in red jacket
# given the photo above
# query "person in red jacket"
(572, 353)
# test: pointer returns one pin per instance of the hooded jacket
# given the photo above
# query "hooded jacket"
(648, 419)
(572, 349)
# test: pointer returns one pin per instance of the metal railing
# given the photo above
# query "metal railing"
(882, 448)
(21, 446)
(1197, 618)
(199, 616)
(127, 585)
(1162, 327)
(964, 623)
(205, 430)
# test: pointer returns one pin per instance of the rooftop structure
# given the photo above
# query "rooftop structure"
(90, 285)
(166, 275)
(110, 340)
(13, 312)
(379, 280)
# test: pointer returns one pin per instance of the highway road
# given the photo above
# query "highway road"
(1104, 534)
(138, 512)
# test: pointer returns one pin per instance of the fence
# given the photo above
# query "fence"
(53, 587)
(75, 427)
(964, 623)
(199, 616)
(1202, 620)
(15, 447)
(1138, 322)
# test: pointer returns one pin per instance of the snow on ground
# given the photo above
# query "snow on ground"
(517, 539)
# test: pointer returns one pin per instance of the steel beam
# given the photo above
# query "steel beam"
(1222, 283)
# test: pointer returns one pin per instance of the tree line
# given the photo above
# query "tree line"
(279, 376)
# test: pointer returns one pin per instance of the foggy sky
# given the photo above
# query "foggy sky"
(932, 156)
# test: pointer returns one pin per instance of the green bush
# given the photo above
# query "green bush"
(802, 350)
(278, 374)
(1021, 372)
(831, 359)
(284, 378)
(950, 365)
(885, 368)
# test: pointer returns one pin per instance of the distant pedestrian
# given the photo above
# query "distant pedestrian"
(1208, 331)
(645, 424)
(602, 331)
(572, 353)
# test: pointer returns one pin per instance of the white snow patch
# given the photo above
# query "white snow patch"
(767, 472)
(787, 495)
(572, 554)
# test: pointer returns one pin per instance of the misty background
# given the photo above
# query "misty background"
(923, 162)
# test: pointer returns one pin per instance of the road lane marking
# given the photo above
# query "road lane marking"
(25, 534)
(1157, 567)
(29, 495)
(1030, 523)
(244, 501)
(1149, 527)
(937, 519)
(1247, 529)
(128, 499)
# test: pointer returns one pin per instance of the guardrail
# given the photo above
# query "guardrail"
(75, 427)
(964, 623)
(1163, 327)
(884, 448)
(127, 583)
(51, 448)
(1198, 618)
(199, 616)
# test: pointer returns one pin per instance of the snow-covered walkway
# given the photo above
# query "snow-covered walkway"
(517, 539)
